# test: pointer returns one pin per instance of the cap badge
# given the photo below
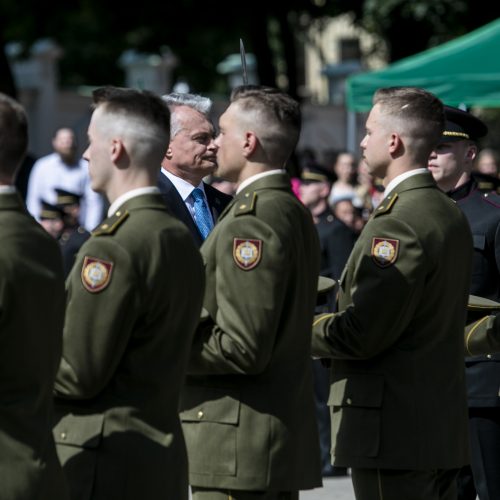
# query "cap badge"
(247, 253)
(96, 274)
(384, 251)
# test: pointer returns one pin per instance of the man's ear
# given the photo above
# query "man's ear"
(168, 154)
(395, 142)
(117, 149)
(250, 144)
(471, 152)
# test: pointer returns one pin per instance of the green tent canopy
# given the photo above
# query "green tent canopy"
(465, 70)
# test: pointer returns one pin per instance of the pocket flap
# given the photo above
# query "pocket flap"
(357, 390)
(206, 404)
(79, 430)
(479, 241)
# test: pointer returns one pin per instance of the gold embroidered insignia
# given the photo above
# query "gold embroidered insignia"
(96, 274)
(384, 251)
(247, 253)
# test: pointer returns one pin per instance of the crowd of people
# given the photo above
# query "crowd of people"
(179, 333)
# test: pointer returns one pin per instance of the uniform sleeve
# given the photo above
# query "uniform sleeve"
(384, 296)
(241, 338)
(98, 321)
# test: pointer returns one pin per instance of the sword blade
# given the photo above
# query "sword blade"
(243, 63)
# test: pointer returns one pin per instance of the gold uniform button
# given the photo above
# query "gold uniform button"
(247, 195)
(243, 206)
(349, 401)
(488, 356)
(63, 435)
(105, 226)
(200, 415)
(118, 214)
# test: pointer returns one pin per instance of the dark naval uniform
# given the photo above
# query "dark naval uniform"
(247, 410)
(31, 321)
(336, 243)
(483, 372)
(134, 300)
(398, 396)
(70, 242)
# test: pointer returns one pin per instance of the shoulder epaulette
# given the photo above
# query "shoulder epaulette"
(111, 224)
(247, 205)
(386, 205)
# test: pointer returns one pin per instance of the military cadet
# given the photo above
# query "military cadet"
(134, 299)
(399, 416)
(336, 242)
(451, 165)
(73, 236)
(51, 219)
(247, 409)
(31, 321)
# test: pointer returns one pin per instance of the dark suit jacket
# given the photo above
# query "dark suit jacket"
(217, 201)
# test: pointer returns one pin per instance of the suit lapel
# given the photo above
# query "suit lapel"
(177, 207)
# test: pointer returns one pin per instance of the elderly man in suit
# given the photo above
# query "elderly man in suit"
(397, 396)
(191, 156)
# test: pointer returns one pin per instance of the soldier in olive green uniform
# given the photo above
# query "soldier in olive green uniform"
(31, 320)
(482, 334)
(247, 410)
(397, 398)
(134, 299)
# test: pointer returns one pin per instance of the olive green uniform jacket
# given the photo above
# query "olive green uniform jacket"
(134, 300)
(31, 322)
(397, 391)
(248, 410)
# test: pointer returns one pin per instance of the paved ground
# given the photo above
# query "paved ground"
(333, 489)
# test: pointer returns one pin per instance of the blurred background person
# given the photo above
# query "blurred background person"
(63, 169)
(73, 235)
(336, 242)
(345, 169)
(51, 218)
(349, 212)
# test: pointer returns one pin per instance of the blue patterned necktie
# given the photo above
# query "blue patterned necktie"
(201, 214)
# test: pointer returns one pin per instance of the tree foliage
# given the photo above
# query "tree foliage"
(94, 34)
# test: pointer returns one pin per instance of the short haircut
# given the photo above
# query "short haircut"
(274, 117)
(141, 118)
(416, 114)
(194, 101)
(13, 136)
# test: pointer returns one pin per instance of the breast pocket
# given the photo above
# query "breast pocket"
(356, 409)
(210, 419)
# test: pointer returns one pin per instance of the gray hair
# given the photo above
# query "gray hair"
(197, 102)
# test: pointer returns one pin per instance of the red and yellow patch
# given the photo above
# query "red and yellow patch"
(247, 253)
(96, 274)
(384, 251)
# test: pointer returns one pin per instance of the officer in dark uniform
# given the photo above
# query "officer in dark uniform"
(73, 235)
(451, 166)
(336, 242)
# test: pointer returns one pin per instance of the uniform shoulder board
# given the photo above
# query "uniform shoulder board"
(246, 205)
(386, 205)
(111, 224)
